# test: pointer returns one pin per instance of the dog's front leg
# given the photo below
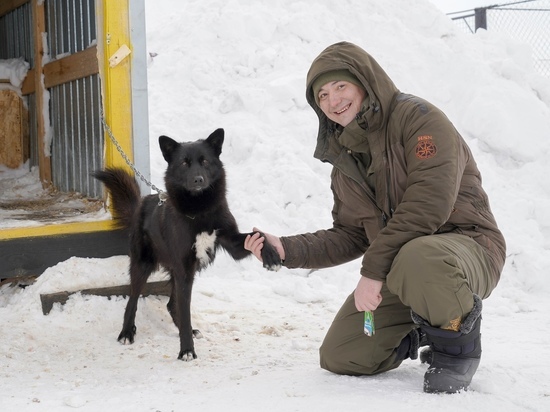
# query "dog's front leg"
(234, 244)
(183, 284)
(270, 257)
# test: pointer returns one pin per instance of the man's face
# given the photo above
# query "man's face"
(340, 101)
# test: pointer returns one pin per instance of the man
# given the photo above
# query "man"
(408, 199)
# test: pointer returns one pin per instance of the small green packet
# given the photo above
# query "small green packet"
(368, 324)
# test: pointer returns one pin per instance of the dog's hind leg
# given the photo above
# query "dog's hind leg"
(139, 273)
(171, 305)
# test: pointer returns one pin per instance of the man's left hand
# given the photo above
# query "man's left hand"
(367, 294)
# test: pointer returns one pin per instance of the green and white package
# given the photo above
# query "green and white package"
(368, 324)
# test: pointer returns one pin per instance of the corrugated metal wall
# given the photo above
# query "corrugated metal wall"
(16, 34)
(16, 41)
(71, 26)
(77, 144)
(77, 134)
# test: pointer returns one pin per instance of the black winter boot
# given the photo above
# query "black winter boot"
(408, 348)
(426, 355)
(454, 356)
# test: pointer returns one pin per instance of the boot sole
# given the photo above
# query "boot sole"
(443, 384)
(450, 376)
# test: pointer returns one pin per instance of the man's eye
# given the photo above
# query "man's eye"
(322, 96)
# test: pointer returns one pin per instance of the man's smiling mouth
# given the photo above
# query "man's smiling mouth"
(344, 109)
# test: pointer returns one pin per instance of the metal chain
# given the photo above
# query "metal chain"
(162, 194)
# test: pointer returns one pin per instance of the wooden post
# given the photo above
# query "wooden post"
(114, 36)
(44, 158)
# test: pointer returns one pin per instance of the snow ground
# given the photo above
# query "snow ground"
(241, 65)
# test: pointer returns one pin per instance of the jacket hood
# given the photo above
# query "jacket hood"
(380, 88)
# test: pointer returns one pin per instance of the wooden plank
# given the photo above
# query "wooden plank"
(28, 83)
(14, 139)
(39, 26)
(162, 288)
(73, 67)
(115, 81)
(9, 5)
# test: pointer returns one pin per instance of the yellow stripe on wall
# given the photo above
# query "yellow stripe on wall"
(56, 230)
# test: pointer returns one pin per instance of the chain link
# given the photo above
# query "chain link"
(162, 194)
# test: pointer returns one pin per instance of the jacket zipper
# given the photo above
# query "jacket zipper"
(367, 192)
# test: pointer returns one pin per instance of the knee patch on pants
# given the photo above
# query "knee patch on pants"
(433, 275)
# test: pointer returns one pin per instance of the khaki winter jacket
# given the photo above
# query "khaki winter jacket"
(401, 171)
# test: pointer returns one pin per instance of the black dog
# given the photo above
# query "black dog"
(181, 233)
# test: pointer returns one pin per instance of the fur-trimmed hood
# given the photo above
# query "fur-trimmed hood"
(381, 90)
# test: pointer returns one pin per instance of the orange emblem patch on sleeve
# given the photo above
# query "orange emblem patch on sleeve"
(425, 148)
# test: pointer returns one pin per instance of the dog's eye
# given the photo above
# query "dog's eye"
(204, 162)
(185, 163)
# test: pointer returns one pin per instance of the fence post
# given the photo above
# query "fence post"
(481, 18)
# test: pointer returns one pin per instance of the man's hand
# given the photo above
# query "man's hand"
(255, 243)
(367, 294)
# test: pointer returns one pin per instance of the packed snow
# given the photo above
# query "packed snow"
(241, 65)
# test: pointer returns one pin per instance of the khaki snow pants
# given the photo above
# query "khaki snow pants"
(435, 276)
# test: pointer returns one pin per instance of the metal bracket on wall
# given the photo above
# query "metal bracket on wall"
(123, 52)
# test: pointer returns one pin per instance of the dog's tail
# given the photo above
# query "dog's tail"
(124, 191)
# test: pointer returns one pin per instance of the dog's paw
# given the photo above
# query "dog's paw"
(126, 336)
(187, 355)
(270, 257)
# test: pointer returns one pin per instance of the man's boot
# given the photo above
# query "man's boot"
(408, 348)
(455, 356)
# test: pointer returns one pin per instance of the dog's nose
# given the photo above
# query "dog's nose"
(199, 179)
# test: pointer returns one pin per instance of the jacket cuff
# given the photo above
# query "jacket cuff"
(376, 276)
(294, 254)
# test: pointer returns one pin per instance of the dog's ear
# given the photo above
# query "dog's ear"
(167, 147)
(216, 141)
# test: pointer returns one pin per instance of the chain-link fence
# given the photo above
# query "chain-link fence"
(526, 21)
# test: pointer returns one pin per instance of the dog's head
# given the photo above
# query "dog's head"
(193, 166)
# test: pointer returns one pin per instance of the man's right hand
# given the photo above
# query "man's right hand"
(254, 243)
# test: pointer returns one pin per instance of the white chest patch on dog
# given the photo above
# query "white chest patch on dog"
(205, 248)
